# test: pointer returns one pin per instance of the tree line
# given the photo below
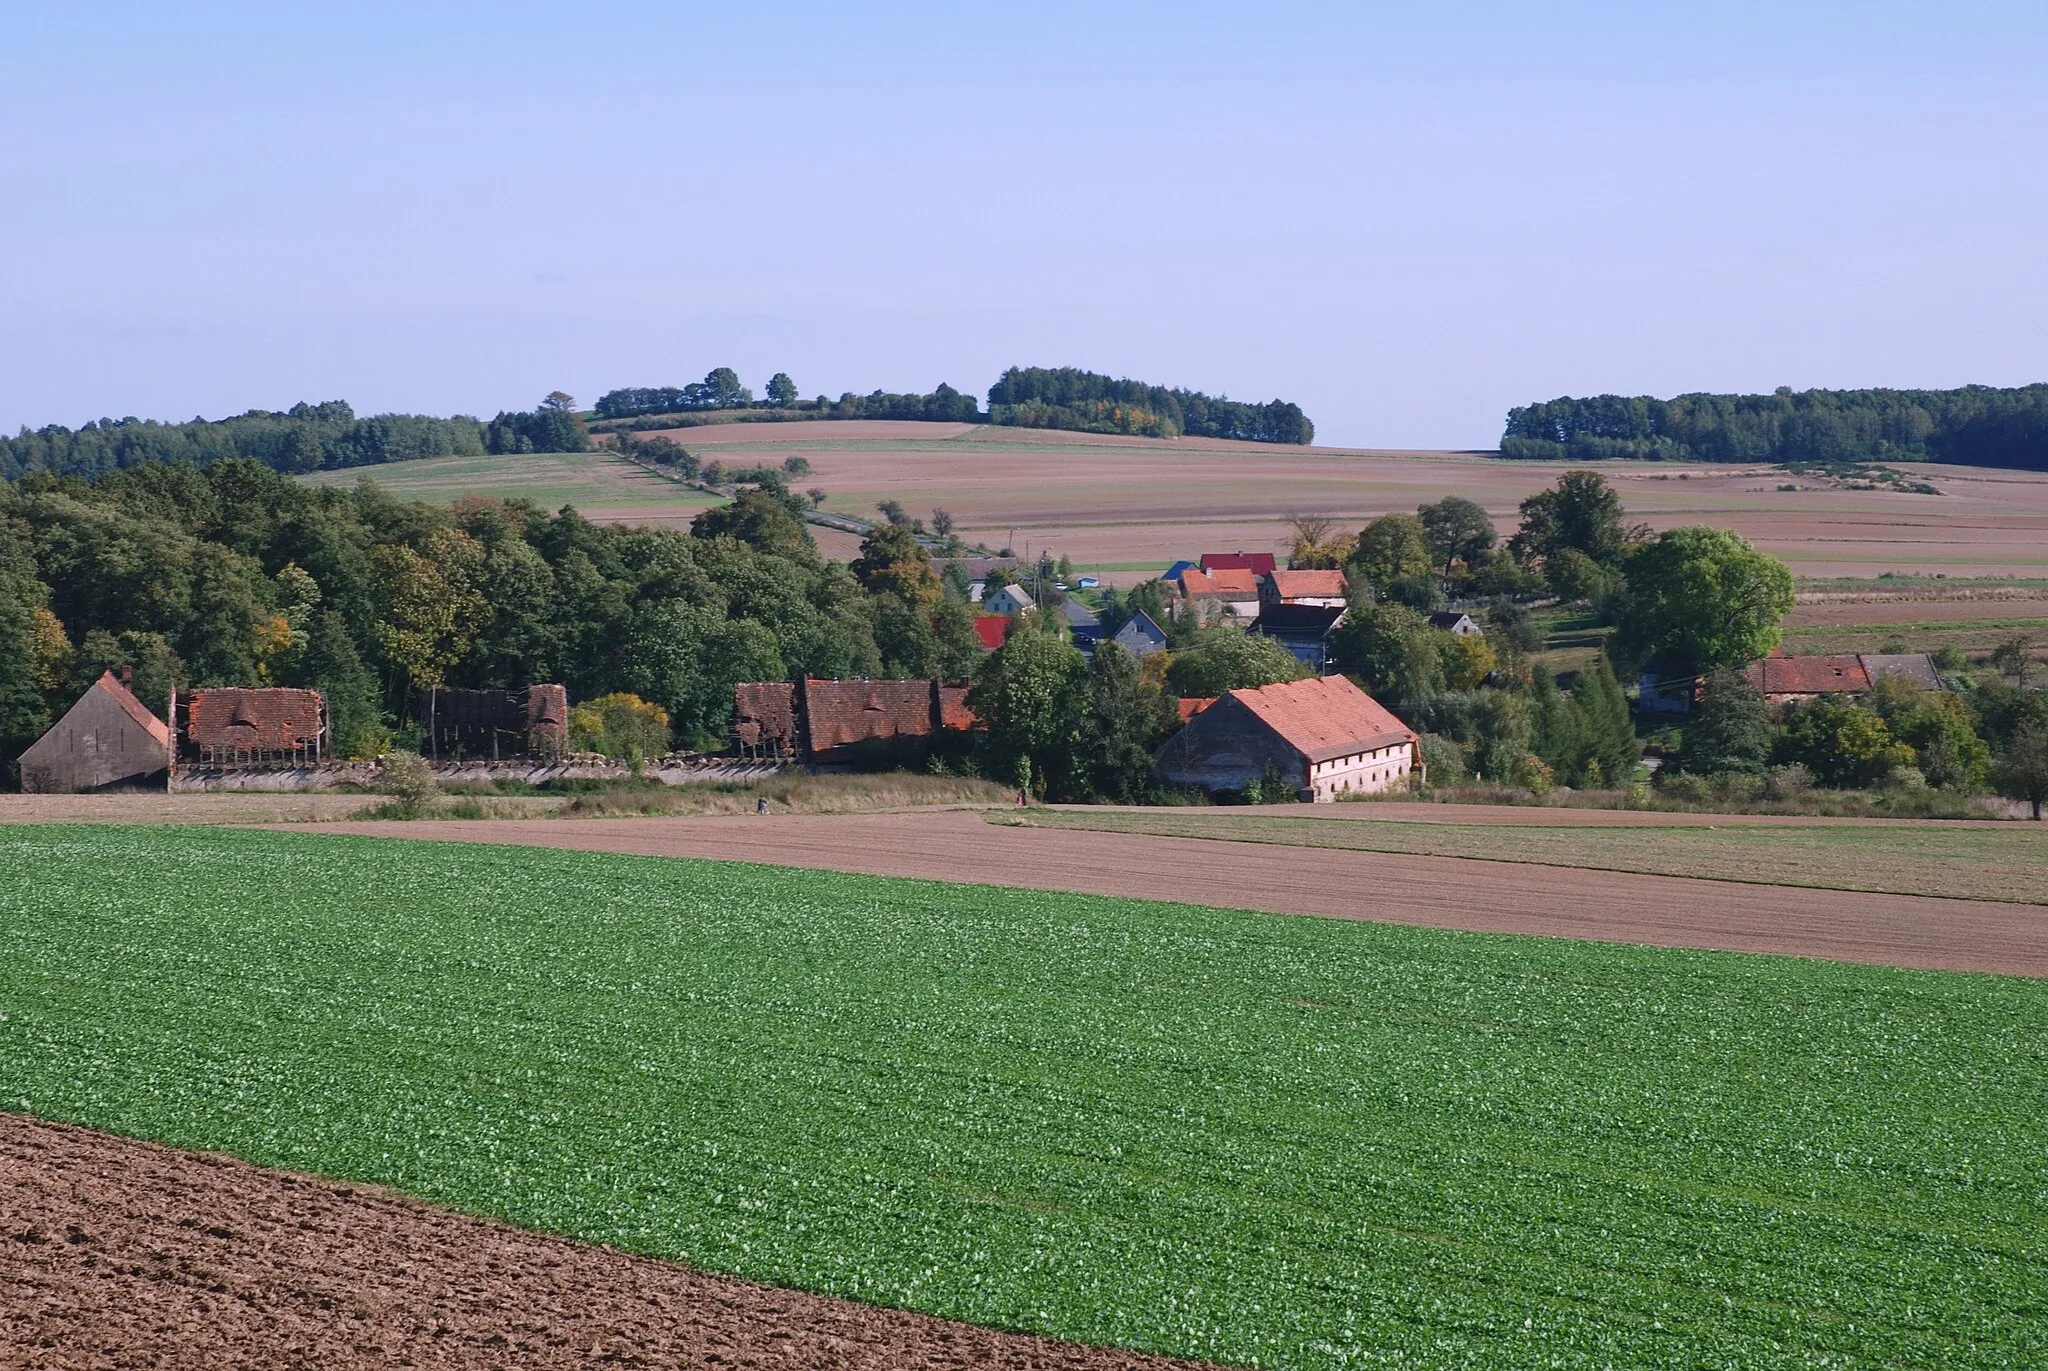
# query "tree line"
(306, 437)
(1028, 397)
(1069, 398)
(234, 574)
(1973, 425)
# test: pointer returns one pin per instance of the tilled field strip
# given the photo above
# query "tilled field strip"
(2001, 862)
(1437, 892)
(122, 1253)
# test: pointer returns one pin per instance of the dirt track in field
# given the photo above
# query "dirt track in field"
(1437, 892)
(116, 1253)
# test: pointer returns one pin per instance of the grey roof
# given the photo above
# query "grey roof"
(1140, 635)
(1916, 667)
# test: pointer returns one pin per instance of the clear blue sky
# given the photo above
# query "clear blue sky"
(1406, 217)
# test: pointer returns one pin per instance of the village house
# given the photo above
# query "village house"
(1140, 636)
(106, 739)
(1008, 601)
(1303, 630)
(1228, 593)
(1790, 680)
(1257, 563)
(1456, 622)
(1321, 588)
(1323, 737)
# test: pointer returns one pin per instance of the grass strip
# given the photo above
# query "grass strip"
(2005, 863)
(1273, 1141)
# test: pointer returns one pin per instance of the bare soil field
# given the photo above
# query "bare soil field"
(1438, 892)
(1129, 506)
(116, 1253)
(1972, 861)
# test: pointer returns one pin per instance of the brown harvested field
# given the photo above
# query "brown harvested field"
(1132, 505)
(2005, 862)
(246, 807)
(1127, 507)
(1439, 892)
(116, 1253)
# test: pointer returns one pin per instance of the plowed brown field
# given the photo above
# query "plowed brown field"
(115, 1253)
(1438, 892)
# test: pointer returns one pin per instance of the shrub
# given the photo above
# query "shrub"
(620, 726)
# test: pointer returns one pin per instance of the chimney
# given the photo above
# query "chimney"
(128, 677)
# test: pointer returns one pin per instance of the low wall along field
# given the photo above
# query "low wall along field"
(1202, 1132)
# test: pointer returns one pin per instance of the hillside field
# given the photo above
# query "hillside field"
(604, 487)
(1289, 1142)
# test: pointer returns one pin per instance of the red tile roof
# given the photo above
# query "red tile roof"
(1324, 717)
(110, 684)
(953, 710)
(1303, 585)
(1808, 675)
(770, 707)
(992, 629)
(1229, 583)
(1192, 705)
(1258, 563)
(253, 720)
(841, 713)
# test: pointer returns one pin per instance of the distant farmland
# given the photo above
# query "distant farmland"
(1282, 1141)
(1126, 507)
(602, 486)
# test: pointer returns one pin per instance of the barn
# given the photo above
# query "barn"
(1323, 736)
(107, 739)
(238, 726)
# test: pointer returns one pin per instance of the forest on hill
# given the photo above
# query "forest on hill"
(1973, 426)
(1027, 397)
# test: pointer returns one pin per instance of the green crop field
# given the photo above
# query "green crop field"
(1281, 1141)
(588, 480)
(1974, 862)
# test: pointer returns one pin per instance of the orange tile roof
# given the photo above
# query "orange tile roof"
(842, 713)
(135, 709)
(1233, 582)
(1193, 705)
(1816, 675)
(1324, 717)
(1296, 585)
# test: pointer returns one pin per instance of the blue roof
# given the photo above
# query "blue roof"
(1173, 572)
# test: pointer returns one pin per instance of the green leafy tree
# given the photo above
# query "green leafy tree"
(1392, 650)
(1842, 744)
(1582, 511)
(781, 391)
(2021, 771)
(1502, 722)
(331, 665)
(761, 521)
(1025, 698)
(23, 715)
(1121, 718)
(2014, 657)
(1733, 732)
(1938, 726)
(1457, 530)
(1390, 548)
(1224, 659)
(1701, 598)
(893, 561)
